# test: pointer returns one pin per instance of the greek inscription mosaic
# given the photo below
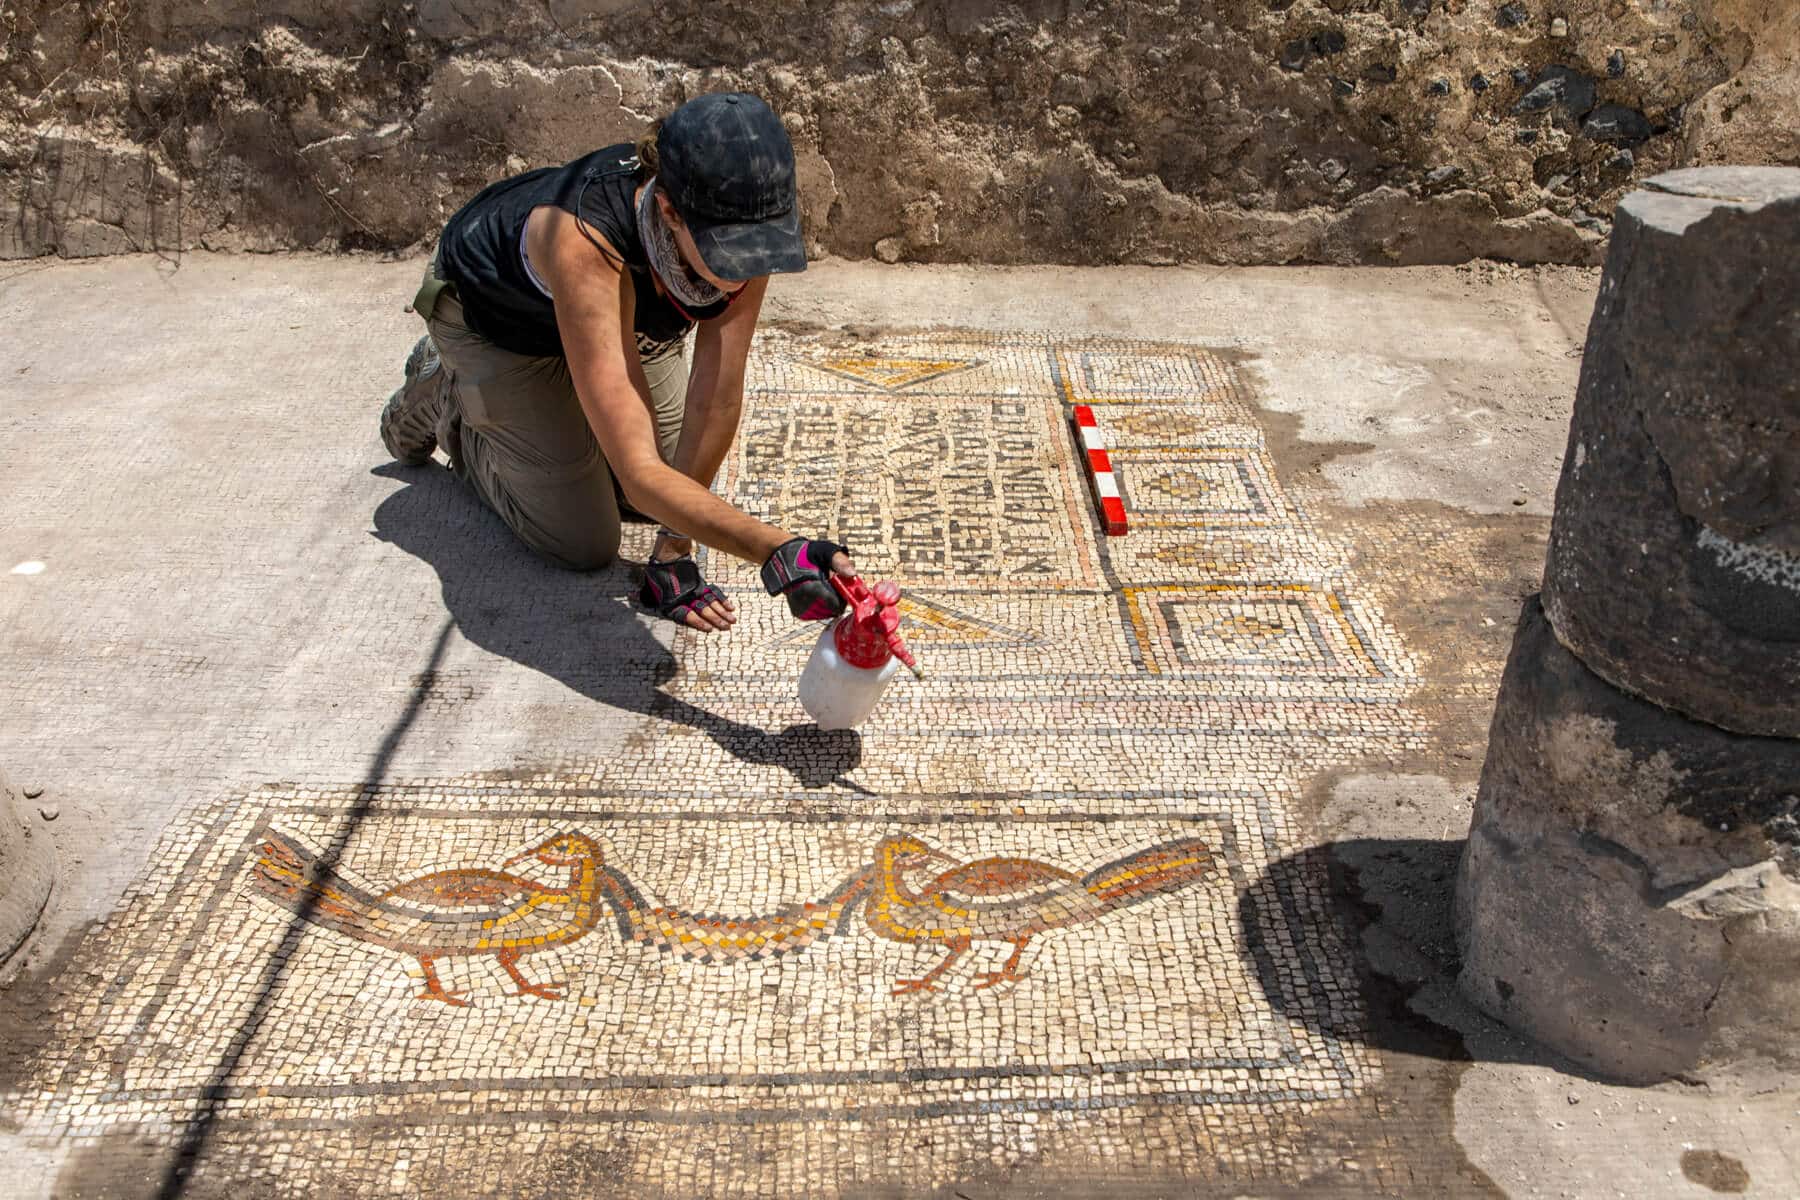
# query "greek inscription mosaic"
(965, 490)
(1031, 912)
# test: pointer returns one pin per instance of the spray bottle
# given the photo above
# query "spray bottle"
(855, 656)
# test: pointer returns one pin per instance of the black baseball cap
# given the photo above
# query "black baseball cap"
(726, 164)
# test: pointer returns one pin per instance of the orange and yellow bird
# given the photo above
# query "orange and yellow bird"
(455, 913)
(1009, 899)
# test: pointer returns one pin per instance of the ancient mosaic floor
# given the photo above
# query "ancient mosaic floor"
(1026, 915)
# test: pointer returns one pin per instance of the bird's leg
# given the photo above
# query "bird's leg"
(957, 946)
(435, 990)
(509, 958)
(1008, 970)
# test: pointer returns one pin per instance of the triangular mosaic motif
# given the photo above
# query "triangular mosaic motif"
(891, 374)
(926, 624)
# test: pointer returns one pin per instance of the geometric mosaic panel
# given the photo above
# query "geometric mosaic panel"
(1214, 487)
(1157, 425)
(1279, 631)
(1102, 376)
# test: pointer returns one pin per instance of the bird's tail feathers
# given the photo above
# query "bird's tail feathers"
(291, 875)
(1154, 871)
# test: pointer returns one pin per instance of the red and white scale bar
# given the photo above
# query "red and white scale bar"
(1100, 472)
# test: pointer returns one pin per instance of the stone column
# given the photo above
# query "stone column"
(1674, 567)
(27, 869)
(1630, 894)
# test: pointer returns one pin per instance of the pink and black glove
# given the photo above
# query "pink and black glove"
(801, 571)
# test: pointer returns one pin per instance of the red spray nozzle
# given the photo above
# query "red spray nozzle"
(873, 631)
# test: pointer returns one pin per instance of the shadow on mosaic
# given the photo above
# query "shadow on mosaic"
(579, 629)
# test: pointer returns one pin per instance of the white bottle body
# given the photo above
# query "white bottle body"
(836, 694)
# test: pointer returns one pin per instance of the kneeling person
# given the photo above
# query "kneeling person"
(553, 371)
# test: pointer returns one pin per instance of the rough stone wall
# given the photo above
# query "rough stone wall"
(1248, 131)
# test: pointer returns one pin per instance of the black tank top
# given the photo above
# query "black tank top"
(480, 252)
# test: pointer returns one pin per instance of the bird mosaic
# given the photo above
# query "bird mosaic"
(456, 913)
(1010, 899)
(470, 912)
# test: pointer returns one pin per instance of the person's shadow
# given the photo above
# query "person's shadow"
(580, 628)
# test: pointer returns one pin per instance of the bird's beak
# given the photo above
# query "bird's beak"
(939, 854)
(520, 857)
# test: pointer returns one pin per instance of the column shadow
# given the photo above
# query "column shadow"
(216, 1093)
(1384, 907)
(581, 629)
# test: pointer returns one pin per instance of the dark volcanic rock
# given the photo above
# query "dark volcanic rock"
(1559, 87)
(1629, 892)
(1674, 561)
(1618, 125)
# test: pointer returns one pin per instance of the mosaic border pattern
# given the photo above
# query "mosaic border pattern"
(230, 858)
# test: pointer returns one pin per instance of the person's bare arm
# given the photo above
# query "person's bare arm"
(711, 411)
(594, 312)
(715, 394)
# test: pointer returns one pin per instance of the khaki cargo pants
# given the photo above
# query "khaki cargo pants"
(515, 432)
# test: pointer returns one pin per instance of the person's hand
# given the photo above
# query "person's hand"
(801, 570)
(674, 589)
(714, 616)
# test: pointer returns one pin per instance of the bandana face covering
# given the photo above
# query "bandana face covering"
(688, 289)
